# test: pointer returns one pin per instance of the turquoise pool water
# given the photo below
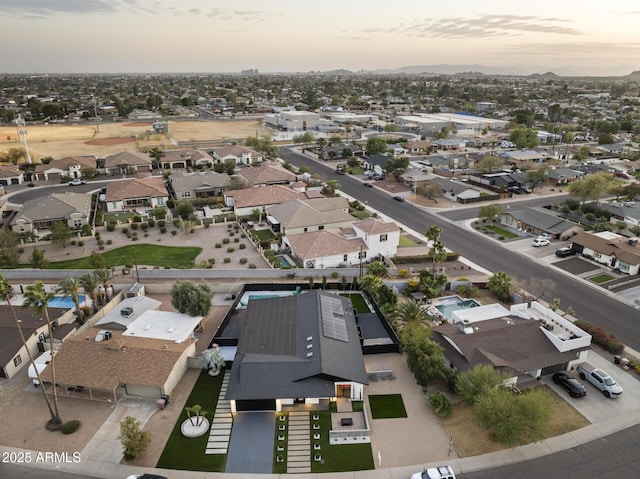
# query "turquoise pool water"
(284, 260)
(62, 302)
(449, 304)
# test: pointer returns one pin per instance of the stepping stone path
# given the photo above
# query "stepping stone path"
(298, 443)
(220, 431)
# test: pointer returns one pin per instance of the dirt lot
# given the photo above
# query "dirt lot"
(76, 139)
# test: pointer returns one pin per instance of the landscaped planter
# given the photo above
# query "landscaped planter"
(189, 430)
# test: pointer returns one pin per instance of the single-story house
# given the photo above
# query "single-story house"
(126, 162)
(134, 194)
(11, 175)
(13, 353)
(517, 156)
(328, 248)
(377, 161)
(538, 220)
(300, 348)
(126, 312)
(267, 174)
(38, 215)
(188, 157)
(525, 342)
(629, 211)
(562, 176)
(611, 249)
(240, 155)
(198, 184)
(244, 201)
(67, 167)
(449, 143)
(454, 191)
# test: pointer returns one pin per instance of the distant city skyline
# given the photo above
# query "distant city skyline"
(149, 36)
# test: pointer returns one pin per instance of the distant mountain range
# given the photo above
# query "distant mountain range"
(514, 70)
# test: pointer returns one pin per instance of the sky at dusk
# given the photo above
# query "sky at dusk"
(147, 36)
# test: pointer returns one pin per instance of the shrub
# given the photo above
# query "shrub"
(231, 234)
(100, 242)
(243, 236)
(144, 226)
(163, 229)
(212, 260)
(161, 223)
(70, 427)
(125, 230)
(101, 247)
(243, 260)
(109, 241)
(111, 226)
(134, 238)
(227, 260)
(80, 243)
(403, 273)
(230, 249)
(73, 242)
(151, 222)
(242, 246)
(236, 240)
(191, 230)
(174, 232)
(176, 222)
(226, 240)
(601, 337)
(252, 266)
(440, 405)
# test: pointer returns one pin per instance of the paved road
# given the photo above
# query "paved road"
(591, 303)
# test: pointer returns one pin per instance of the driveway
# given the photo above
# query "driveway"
(251, 444)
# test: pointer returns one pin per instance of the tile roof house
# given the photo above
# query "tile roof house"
(187, 157)
(611, 249)
(198, 184)
(326, 248)
(241, 155)
(67, 167)
(525, 342)
(13, 354)
(126, 162)
(37, 215)
(302, 346)
(381, 238)
(244, 201)
(538, 220)
(269, 174)
(136, 194)
(302, 215)
(11, 175)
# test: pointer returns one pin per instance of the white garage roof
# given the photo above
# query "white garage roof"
(174, 327)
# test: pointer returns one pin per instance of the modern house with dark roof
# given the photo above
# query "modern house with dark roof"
(296, 349)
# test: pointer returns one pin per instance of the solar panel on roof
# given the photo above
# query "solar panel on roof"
(333, 322)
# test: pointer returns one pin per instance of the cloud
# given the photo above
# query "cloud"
(483, 26)
(240, 15)
(49, 8)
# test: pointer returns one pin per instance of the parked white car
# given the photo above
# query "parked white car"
(536, 243)
(439, 472)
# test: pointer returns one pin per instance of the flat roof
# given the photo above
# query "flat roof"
(166, 325)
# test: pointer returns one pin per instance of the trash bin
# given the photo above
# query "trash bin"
(161, 403)
(616, 359)
(165, 397)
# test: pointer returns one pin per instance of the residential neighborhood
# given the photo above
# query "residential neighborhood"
(195, 278)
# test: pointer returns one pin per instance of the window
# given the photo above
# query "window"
(185, 194)
(362, 254)
(17, 360)
(383, 237)
(41, 337)
(320, 228)
(77, 223)
(345, 257)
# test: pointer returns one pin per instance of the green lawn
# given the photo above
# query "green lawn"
(263, 235)
(337, 458)
(404, 241)
(280, 467)
(357, 301)
(500, 231)
(123, 217)
(601, 278)
(360, 214)
(188, 454)
(385, 406)
(145, 254)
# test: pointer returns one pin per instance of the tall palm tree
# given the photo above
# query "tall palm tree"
(89, 283)
(102, 276)
(5, 295)
(37, 298)
(156, 154)
(70, 288)
(410, 311)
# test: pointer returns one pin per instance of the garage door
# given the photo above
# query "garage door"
(554, 369)
(256, 405)
(142, 390)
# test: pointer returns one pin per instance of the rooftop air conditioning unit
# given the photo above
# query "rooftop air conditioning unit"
(103, 335)
(127, 311)
(633, 241)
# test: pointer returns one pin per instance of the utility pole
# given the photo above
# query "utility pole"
(95, 112)
(22, 133)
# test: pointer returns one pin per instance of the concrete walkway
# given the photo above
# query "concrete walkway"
(222, 423)
(298, 443)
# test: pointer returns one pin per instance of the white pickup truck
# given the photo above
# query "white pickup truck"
(601, 380)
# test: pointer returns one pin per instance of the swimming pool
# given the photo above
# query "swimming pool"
(449, 304)
(62, 302)
(285, 261)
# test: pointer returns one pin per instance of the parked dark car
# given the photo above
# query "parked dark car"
(571, 385)
(398, 198)
(340, 172)
(564, 252)
(368, 184)
(378, 177)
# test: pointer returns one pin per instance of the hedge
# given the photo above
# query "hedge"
(452, 256)
(601, 337)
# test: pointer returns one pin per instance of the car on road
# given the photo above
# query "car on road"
(76, 182)
(569, 384)
(564, 252)
(439, 472)
(399, 198)
(368, 184)
(536, 243)
(340, 172)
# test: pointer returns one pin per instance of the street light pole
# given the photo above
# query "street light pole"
(95, 112)
(22, 133)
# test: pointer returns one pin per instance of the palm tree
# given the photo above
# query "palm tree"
(70, 288)
(156, 154)
(410, 311)
(102, 276)
(89, 283)
(36, 298)
(5, 295)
